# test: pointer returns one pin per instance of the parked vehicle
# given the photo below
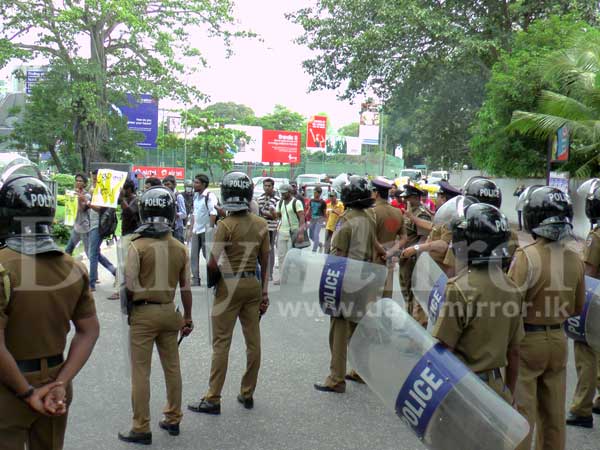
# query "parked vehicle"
(438, 175)
(308, 178)
(414, 175)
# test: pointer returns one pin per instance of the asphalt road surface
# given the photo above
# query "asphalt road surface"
(288, 414)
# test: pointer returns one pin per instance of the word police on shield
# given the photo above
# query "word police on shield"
(586, 327)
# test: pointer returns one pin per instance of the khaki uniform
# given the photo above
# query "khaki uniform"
(407, 265)
(35, 325)
(551, 275)
(390, 225)
(240, 238)
(587, 360)
(480, 323)
(513, 245)
(355, 240)
(153, 270)
(439, 233)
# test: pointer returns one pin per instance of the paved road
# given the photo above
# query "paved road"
(289, 414)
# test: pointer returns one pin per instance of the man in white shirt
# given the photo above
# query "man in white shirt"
(290, 211)
(203, 219)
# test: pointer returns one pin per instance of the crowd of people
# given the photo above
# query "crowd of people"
(521, 357)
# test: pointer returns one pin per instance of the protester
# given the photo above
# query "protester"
(290, 211)
(81, 227)
(317, 209)
(335, 209)
(267, 204)
(171, 183)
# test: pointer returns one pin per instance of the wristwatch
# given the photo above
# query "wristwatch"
(417, 247)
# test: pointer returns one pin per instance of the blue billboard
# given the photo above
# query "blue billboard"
(142, 116)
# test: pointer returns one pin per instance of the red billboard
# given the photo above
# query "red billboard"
(316, 133)
(160, 172)
(281, 146)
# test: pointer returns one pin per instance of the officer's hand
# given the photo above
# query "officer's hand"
(300, 238)
(264, 305)
(36, 400)
(187, 328)
(55, 402)
(408, 252)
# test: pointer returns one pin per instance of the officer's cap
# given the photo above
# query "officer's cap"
(410, 190)
(381, 183)
(448, 190)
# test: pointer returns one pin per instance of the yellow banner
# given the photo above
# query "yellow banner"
(108, 187)
(70, 207)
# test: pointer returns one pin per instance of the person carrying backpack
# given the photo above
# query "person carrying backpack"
(171, 183)
(290, 211)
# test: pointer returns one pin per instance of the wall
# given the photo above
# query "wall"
(508, 186)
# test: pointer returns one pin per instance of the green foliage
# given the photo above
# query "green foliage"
(350, 130)
(282, 118)
(230, 112)
(135, 46)
(64, 182)
(61, 233)
(515, 84)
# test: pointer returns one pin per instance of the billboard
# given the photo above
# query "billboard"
(281, 146)
(32, 77)
(248, 150)
(559, 180)
(316, 134)
(142, 116)
(353, 146)
(160, 172)
(560, 145)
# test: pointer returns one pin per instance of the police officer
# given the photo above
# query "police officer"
(156, 263)
(240, 239)
(42, 290)
(390, 225)
(484, 330)
(551, 274)
(416, 236)
(586, 359)
(356, 239)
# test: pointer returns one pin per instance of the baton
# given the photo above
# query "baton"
(180, 339)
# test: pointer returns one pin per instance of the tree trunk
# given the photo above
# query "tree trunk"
(55, 158)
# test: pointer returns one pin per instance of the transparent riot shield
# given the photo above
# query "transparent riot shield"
(209, 239)
(122, 249)
(429, 286)
(432, 392)
(452, 210)
(343, 286)
(587, 188)
(586, 327)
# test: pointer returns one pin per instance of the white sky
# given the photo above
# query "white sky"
(263, 74)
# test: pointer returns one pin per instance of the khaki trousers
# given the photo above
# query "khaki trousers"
(407, 267)
(21, 427)
(541, 388)
(152, 324)
(340, 332)
(388, 290)
(586, 363)
(235, 298)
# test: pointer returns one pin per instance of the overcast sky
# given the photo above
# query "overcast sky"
(263, 74)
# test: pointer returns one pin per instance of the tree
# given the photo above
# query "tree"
(350, 130)
(230, 112)
(135, 46)
(515, 84)
(576, 104)
(282, 118)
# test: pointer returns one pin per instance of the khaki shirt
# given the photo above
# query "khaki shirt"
(480, 321)
(239, 239)
(48, 291)
(439, 233)
(413, 232)
(390, 223)
(356, 237)
(551, 274)
(591, 254)
(154, 268)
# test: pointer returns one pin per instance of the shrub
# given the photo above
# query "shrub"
(61, 232)
(64, 181)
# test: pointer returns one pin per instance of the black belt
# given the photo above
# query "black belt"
(228, 276)
(35, 365)
(530, 328)
(494, 374)
(145, 302)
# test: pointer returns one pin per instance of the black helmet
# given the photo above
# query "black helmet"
(27, 207)
(236, 191)
(158, 208)
(484, 190)
(356, 193)
(592, 205)
(482, 234)
(548, 212)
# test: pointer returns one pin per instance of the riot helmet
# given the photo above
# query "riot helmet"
(356, 193)
(481, 235)
(590, 190)
(453, 210)
(484, 190)
(236, 191)
(548, 212)
(158, 209)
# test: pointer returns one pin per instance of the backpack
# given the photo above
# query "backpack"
(218, 208)
(107, 223)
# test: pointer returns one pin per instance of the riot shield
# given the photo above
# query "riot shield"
(429, 286)
(586, 327)
(343, 286)
(587, 188)
(452, 210)
(439, 398)
(122, 249)
(209, 239)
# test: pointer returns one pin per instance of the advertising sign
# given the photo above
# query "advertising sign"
(281, 146)
(70, 208)
(108, 187)
(247, 150)
(368, 130)
(316, 134)
(142, 116)
(160, 172)
(560, 145)
(353, 146)
(32, 77)
(560, 180)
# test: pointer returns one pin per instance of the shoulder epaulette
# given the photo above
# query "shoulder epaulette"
(4, 275)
